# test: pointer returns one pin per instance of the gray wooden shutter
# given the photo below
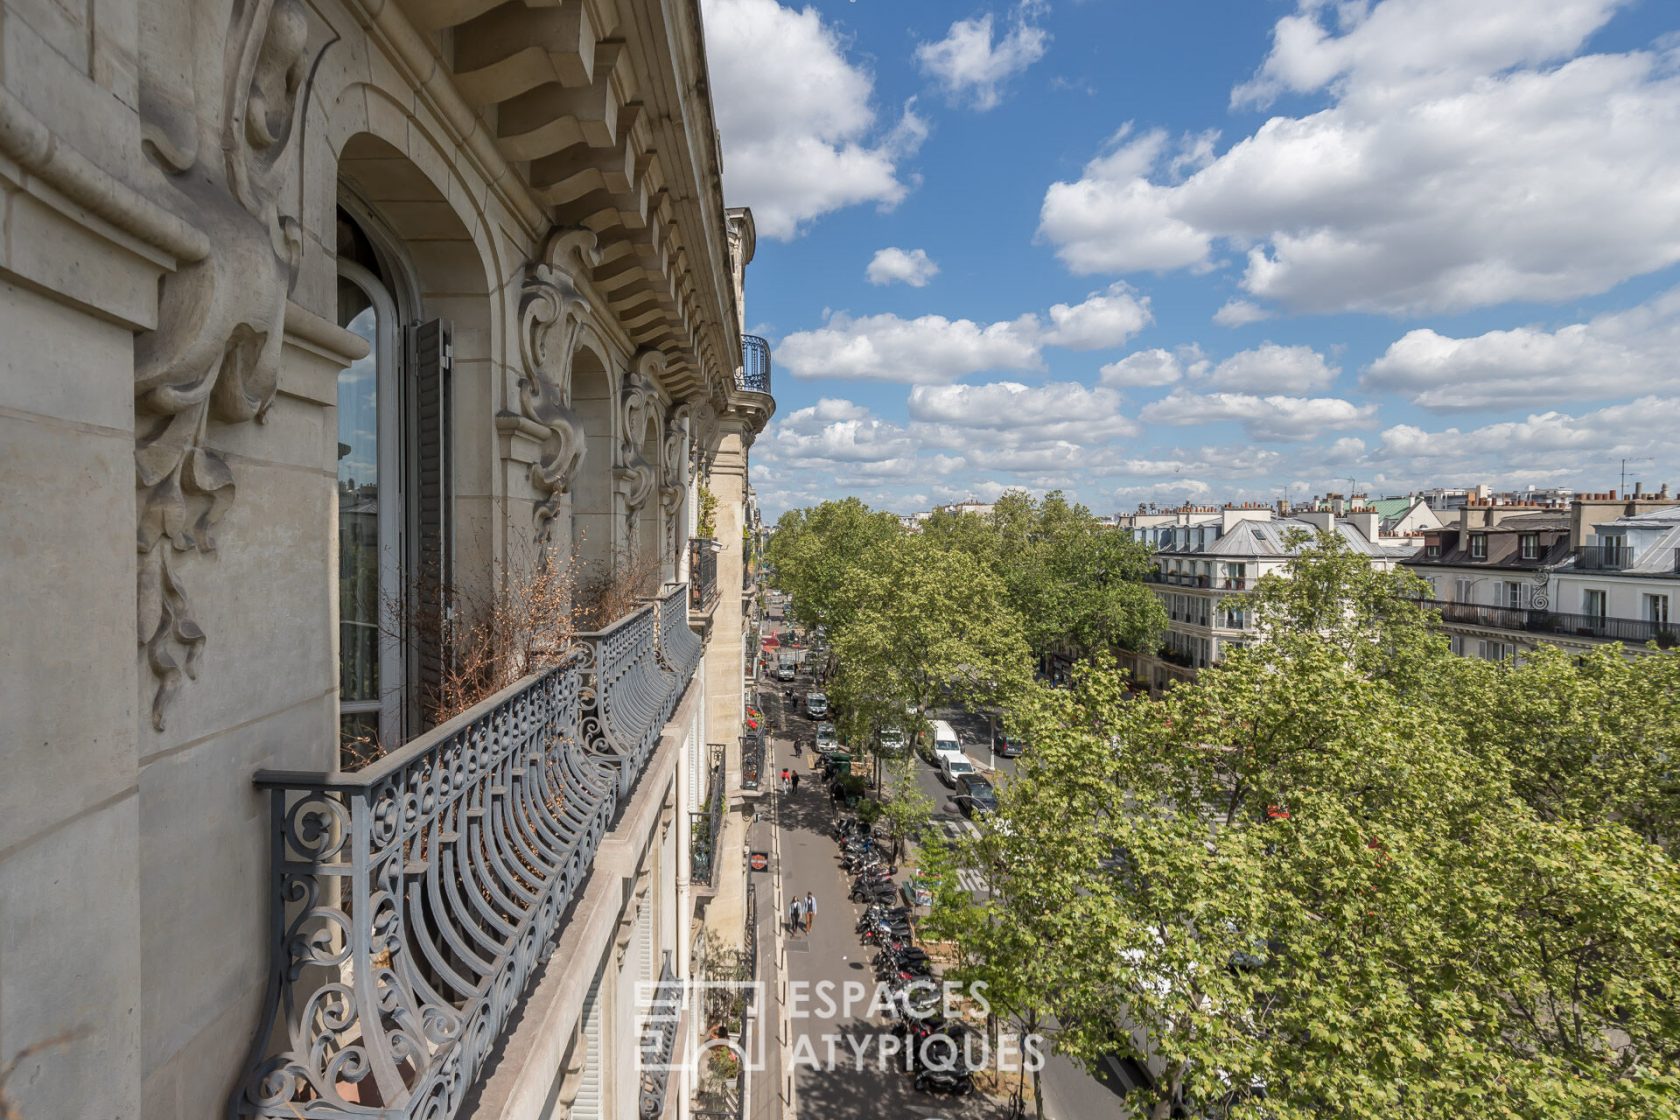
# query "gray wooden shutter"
(587, 1106)
(432, 347)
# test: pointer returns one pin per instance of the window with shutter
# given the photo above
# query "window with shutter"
(588, 1105)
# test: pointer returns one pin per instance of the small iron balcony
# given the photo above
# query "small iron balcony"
(754, 375)
(702, 574)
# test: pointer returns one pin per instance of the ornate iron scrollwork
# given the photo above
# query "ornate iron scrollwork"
(414, 900)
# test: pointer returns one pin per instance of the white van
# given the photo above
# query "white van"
(945, 741)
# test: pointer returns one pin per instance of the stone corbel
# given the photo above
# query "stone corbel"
(215, 354)
(551, 312)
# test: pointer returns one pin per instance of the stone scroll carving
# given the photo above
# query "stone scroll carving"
(638, 399)
(551, 312)
(674, 484)
(215, 353)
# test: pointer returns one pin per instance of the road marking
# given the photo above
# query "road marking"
(968, 878)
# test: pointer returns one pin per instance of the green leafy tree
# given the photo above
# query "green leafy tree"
(1307, 886)
(813, 551)
(924, 625)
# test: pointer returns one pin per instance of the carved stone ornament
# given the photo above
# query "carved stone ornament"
(675, 482)
(215, 354)
(551, 312)
(637, 401)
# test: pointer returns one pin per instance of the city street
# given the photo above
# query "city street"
(854, 1083)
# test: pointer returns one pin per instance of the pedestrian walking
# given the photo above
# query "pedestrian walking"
(794, 915)
(810, 910)
(785, 782)
(796, 781)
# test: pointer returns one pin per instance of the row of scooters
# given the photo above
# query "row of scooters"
(929, 1046)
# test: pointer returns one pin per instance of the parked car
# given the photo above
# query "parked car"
(816, 705)
(952, 767)
(827, 740)
(1010, 746)
(976, 795)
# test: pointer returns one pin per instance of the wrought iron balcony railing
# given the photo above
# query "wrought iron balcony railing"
(706, 825)
(414, 899)
(755, 365)
(659, 1039)
(702, 574)
(1558, 623)
(752, 760)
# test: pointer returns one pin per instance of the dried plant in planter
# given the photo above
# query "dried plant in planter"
(605, 598)
(469, 645)
(526, 625)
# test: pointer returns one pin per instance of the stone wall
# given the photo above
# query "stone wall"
(171, 174)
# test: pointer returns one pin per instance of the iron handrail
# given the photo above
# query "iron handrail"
(413, 900)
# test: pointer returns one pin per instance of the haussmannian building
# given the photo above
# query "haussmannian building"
(320, 321)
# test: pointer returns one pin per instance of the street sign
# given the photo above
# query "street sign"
(758, 861)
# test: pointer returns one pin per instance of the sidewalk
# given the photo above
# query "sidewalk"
(853, 1084)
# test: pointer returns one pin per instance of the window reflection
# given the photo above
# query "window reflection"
(358, 510)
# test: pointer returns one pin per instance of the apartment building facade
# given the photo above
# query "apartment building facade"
(328, 324)
(1206, 557)
(1507, 576)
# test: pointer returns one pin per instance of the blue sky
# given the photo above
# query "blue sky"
(1207, 249)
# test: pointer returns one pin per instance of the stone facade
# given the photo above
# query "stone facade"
(220, 221)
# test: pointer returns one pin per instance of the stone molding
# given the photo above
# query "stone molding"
(25, 139)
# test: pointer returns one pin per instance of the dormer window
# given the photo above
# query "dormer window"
(1478, 546)
(1529, 543)
(1432, 550)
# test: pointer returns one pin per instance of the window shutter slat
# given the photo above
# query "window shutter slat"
(432, 347)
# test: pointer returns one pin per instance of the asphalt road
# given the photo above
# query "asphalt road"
(856, 1084)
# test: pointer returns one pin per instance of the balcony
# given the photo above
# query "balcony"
(754, 375)
(414, 900)
(707, 825)
(1632, 631)
(702, 574)
(1603, 557)
(752, 761)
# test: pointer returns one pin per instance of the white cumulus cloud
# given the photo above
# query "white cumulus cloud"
(1468, 154)
(1270, 368)
(1055, 412)
(933, 350)
(930, 349)
(1239, 313)
(1269, 418)
(1151, 369)
(1105, 319)
(800, 134)
(972, 62)
(1615, 354)
(893, 265)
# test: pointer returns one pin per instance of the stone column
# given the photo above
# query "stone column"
(725, 657)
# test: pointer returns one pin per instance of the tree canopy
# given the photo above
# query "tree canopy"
(1349, 874)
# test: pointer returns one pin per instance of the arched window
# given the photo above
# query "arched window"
(393, 502)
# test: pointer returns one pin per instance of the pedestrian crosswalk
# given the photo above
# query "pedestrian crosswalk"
(955, 828)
